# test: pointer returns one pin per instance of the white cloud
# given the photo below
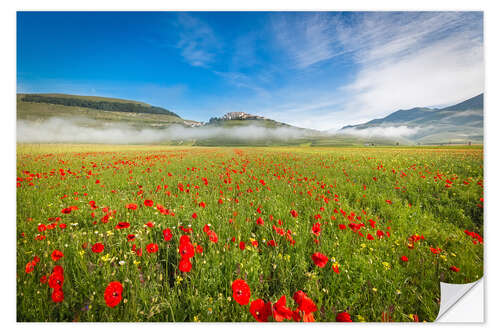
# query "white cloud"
(402, 60)
(197, 41)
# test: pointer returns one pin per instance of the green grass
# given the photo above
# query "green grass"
(372, 280)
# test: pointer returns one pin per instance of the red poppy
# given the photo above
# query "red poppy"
(186, 250)
(435, 250)
(130, 237)
(131, 206)
(43, 279)
(319, 259)
(56, 280)
(57, 296)
(202, 204)
(97, 248)
(335, 268)
(68, 209)
(306, 305)
(62, 225)
(294, 213)
(369, 237)
(260, 310)
(241, 292)
(455, 269)
(56, 255)
(212, 236)
(271, 242)
(30, 266)
(342, 226)
(58, 270)
(185, 265)
(122, 225)
(150, 224)
(280, 311)
(148, 203)
(167, 234)
(42, 227)
(316, 228)
(194, 215)
(199, 249)
(404, 258)
(260, 221)
(343, 317)
(113, 294)
(152, 248)
(242, 246)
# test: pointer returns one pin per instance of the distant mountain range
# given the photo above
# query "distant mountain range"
(460, 123)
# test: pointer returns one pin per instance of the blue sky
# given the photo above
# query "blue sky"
(319, 70)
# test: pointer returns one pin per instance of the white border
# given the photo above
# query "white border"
(8, 70)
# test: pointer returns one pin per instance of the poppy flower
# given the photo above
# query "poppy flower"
(113, 294)
(186, 250)
(167, 234)
(260, 310)
(294, 213)
(185, 265)
(212, 236)
(56, 255)
(58, 269)
(241, 291)
(97, 248)
(152, 248)
(242, 246)
(435, 250)
(57, 296)
(306, 305)
(131, 206)
(280, 311)
(319, 259)
(316, 228)
(30, 266)
(150, 224)
(130, 237)
(56, 280)
(455, 269)
(122, 225)
(342, 226)
(404, 258)
(335, 268)
(260, 221)
(148, 203)
(194, 215)
(42, 227)
(343, 317)
(62, 225)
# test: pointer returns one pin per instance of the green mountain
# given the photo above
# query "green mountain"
(459, 123)
(39, 107)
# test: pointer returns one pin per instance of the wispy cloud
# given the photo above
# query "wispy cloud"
(307, 38)
(414, 60)
(400, 60)
(197, 40)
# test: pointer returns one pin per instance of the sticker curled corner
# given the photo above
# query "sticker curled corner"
(467, 303)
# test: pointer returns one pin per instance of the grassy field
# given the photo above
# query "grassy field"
(157, 233)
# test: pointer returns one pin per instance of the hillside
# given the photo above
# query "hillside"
(462, 122)
(92, 109)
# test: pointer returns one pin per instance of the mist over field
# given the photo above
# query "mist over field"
(82, 130)
(386, 131)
